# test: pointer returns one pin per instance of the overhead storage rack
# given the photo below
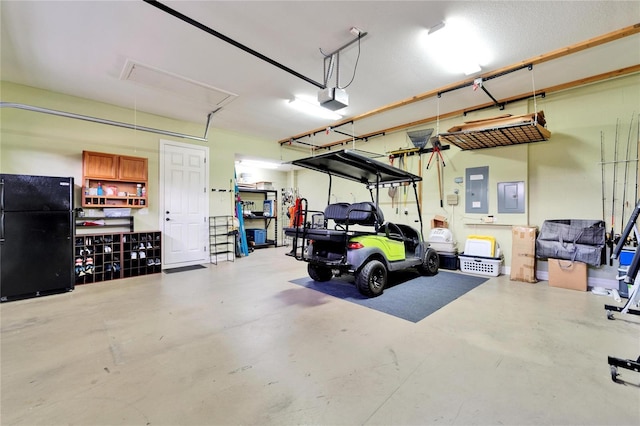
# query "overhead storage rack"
(504, 130)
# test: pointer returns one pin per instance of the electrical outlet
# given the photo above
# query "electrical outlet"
(452, 199)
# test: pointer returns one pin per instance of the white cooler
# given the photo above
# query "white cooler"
(441, 240)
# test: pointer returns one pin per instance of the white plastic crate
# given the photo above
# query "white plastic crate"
(478, 265)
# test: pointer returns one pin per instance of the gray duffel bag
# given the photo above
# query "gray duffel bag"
(572, 239)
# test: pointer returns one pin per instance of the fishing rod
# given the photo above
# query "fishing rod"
(626, 172)
(637, 149)
(602, 170)
(613, 195)
(603, 258)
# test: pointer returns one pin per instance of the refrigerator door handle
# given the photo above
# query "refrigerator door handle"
(1, 226)
(1, 194)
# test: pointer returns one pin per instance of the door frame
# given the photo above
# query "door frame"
(161, 202)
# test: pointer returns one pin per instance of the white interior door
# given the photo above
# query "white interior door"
(183, 185)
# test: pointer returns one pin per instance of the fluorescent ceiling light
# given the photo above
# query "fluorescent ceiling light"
(257, 164)
(312, 107)
(471, 68)
(436, 27)
(457, 47)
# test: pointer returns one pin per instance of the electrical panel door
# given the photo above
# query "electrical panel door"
(476, 195)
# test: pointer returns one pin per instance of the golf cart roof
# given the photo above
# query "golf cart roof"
(350, 165)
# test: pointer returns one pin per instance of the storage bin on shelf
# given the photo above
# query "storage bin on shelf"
(258, 236)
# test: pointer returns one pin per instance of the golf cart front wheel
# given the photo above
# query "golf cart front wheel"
(319, 273)
(372, 279)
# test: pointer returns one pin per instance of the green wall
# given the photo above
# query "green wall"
(43, 144)
(562, 176)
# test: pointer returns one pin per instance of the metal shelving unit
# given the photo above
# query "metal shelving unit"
(222, 239)
(260, 216)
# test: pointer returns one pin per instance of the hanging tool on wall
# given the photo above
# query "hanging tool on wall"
(393, 190)
(420, 138)
(435, 142)
(244, 247)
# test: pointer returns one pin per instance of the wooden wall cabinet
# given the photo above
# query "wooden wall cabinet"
(132, 169)
(119, 177)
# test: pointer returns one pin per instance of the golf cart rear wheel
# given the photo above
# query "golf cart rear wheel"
(430, 263)
(319, 273)
(372, 279)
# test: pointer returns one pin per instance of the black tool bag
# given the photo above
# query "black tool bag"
(572, 239)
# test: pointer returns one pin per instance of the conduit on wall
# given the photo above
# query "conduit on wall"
(111, 122)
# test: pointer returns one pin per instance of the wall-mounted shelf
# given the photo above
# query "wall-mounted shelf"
(490, 224)
(98, 225)
(121, 179)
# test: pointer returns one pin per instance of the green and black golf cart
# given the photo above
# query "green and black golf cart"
(354, 238)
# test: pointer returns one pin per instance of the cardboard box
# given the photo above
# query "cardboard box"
(568, 274)
(439, 222)
(523, 254)
(264, 185)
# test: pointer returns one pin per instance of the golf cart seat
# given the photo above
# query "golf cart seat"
(366, 214)
(400, 232)
(336, 212)
(320, 229)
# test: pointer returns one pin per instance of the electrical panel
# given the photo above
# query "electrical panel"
(511, 197)
(477, 186)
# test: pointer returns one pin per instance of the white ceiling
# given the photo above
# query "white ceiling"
(80, 48)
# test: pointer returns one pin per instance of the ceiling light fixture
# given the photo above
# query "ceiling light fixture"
(457, 47)
(436, 27)
(313, 108)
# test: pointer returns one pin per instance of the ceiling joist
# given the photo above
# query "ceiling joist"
(559, 53)
(560, 87)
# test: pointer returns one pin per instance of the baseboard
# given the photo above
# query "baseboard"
(591, 281)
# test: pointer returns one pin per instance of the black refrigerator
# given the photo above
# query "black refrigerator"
(36, 236)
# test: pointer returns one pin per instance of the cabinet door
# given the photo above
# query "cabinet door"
(99, 165)
(132, 169)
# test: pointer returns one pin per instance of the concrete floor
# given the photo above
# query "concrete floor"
(237, 343)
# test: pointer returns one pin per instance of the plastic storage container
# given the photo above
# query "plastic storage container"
(258, 236)
(626, 256)
(441, 240)
(448, 261)
(480, 245)
(480, 265)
